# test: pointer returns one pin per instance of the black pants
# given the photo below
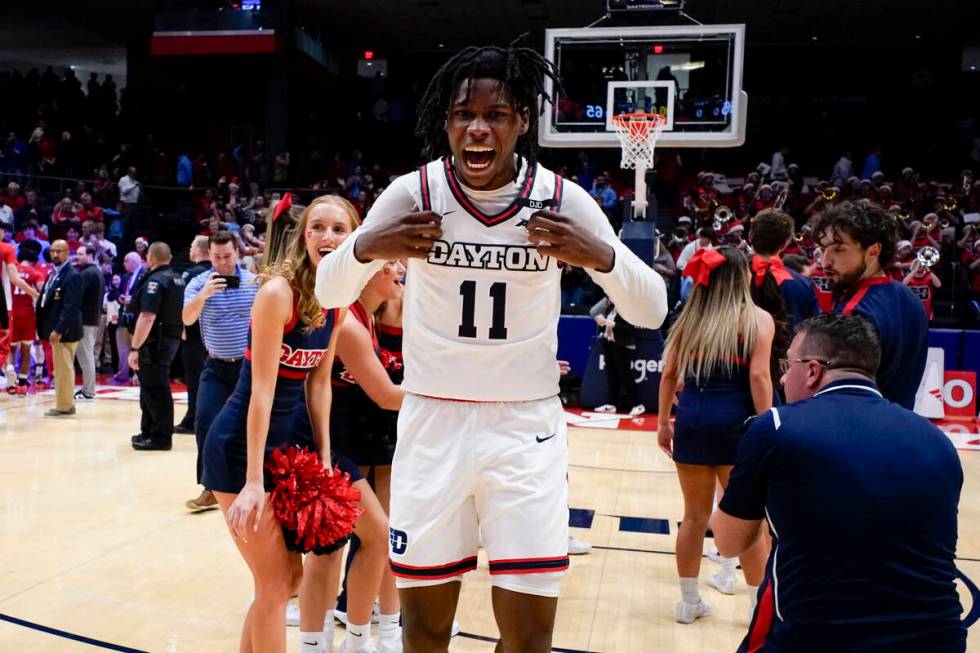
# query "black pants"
(619, 376)
(156, 400)
(192, 354)
(216, 384)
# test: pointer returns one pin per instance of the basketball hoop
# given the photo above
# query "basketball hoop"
(638, 134)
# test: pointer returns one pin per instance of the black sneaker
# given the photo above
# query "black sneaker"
(146, 443)
(81, 396)
(184, 430)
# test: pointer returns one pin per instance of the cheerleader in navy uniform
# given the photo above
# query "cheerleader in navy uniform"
(291, 347)
(362, 431)
(720, 348)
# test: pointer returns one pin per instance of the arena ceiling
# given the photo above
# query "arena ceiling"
(419, 25)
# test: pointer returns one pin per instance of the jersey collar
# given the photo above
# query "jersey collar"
(456, 188)
(858, 383)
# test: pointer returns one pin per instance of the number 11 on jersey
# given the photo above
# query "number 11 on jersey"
(498, 295)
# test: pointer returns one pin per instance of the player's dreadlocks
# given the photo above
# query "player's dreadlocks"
(522, 72)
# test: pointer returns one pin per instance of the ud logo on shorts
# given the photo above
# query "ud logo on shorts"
(398, 540)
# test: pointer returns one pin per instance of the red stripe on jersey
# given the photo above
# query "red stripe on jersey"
(862, 291)
(424, 188)
(762, 620)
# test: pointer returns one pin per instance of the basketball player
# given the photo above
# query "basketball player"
(23, 329)
(481, 435)
(858, 244)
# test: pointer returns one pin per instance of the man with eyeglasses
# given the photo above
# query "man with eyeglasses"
(858, 245)
(861, 499)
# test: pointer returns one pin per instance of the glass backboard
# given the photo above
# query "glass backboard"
(692, 75)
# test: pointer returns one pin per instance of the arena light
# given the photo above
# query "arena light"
(658, 48)
(369, 54)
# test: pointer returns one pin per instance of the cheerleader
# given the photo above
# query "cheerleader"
(291, 345)
(720, 348)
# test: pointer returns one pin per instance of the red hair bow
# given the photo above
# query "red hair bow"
(772, 264)
(283, 205)
(702, 263)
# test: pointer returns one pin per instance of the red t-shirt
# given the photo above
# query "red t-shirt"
(14, 203)
(821, 284)
(922, 287)
(967, 257)
(94, 214)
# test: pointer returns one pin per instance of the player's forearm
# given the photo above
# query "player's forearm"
(340, 277)
(636, 289)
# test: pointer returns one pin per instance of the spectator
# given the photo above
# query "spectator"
(619, 342)
(133, 265)
(223, 312)
(843, 170)
(705, 239)
(185, 171)
(779, 171)
(830, 474)
(59, 320)
(88, 210)
(192, 351)
(93, 291)
(129, 196)
(872, 164)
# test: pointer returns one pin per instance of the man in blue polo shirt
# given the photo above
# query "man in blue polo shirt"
(223, 310)
(857, 241)
(861, 498)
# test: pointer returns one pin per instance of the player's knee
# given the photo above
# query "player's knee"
(698, 522)
(420, 634)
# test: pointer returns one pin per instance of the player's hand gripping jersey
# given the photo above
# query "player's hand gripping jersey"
(481, 311)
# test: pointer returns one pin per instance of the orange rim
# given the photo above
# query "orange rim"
(627, 119)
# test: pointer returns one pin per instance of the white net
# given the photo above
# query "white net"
(638, 134)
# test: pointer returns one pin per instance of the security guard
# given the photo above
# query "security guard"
(158, 301)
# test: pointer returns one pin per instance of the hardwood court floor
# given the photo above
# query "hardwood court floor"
(95, 542)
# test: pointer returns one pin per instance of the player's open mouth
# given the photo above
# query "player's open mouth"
(478, 157)
(323, 251)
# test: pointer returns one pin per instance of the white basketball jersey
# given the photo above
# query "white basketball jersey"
(481, 312)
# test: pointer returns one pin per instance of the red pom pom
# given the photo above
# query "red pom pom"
(317, 511)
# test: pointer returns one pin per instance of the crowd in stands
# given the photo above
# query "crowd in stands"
(710, 209)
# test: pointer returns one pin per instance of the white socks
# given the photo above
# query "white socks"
(313, 643)
(753, 596)
(321, 642)
(388, 625)
(358, 636)
(728, 566)
(689, 590)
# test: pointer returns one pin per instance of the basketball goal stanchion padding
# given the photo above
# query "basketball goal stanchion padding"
(638, 134)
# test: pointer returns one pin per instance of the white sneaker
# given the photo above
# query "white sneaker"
(292, 614)
(714, 556)
(391, 644)
(578, 547)
(341, 615)
(686, 613)
(722, 581)
(368, 647)
(605, 408)
(455, 630)
(637, 410)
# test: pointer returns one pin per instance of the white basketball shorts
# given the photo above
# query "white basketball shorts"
(465, 469)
